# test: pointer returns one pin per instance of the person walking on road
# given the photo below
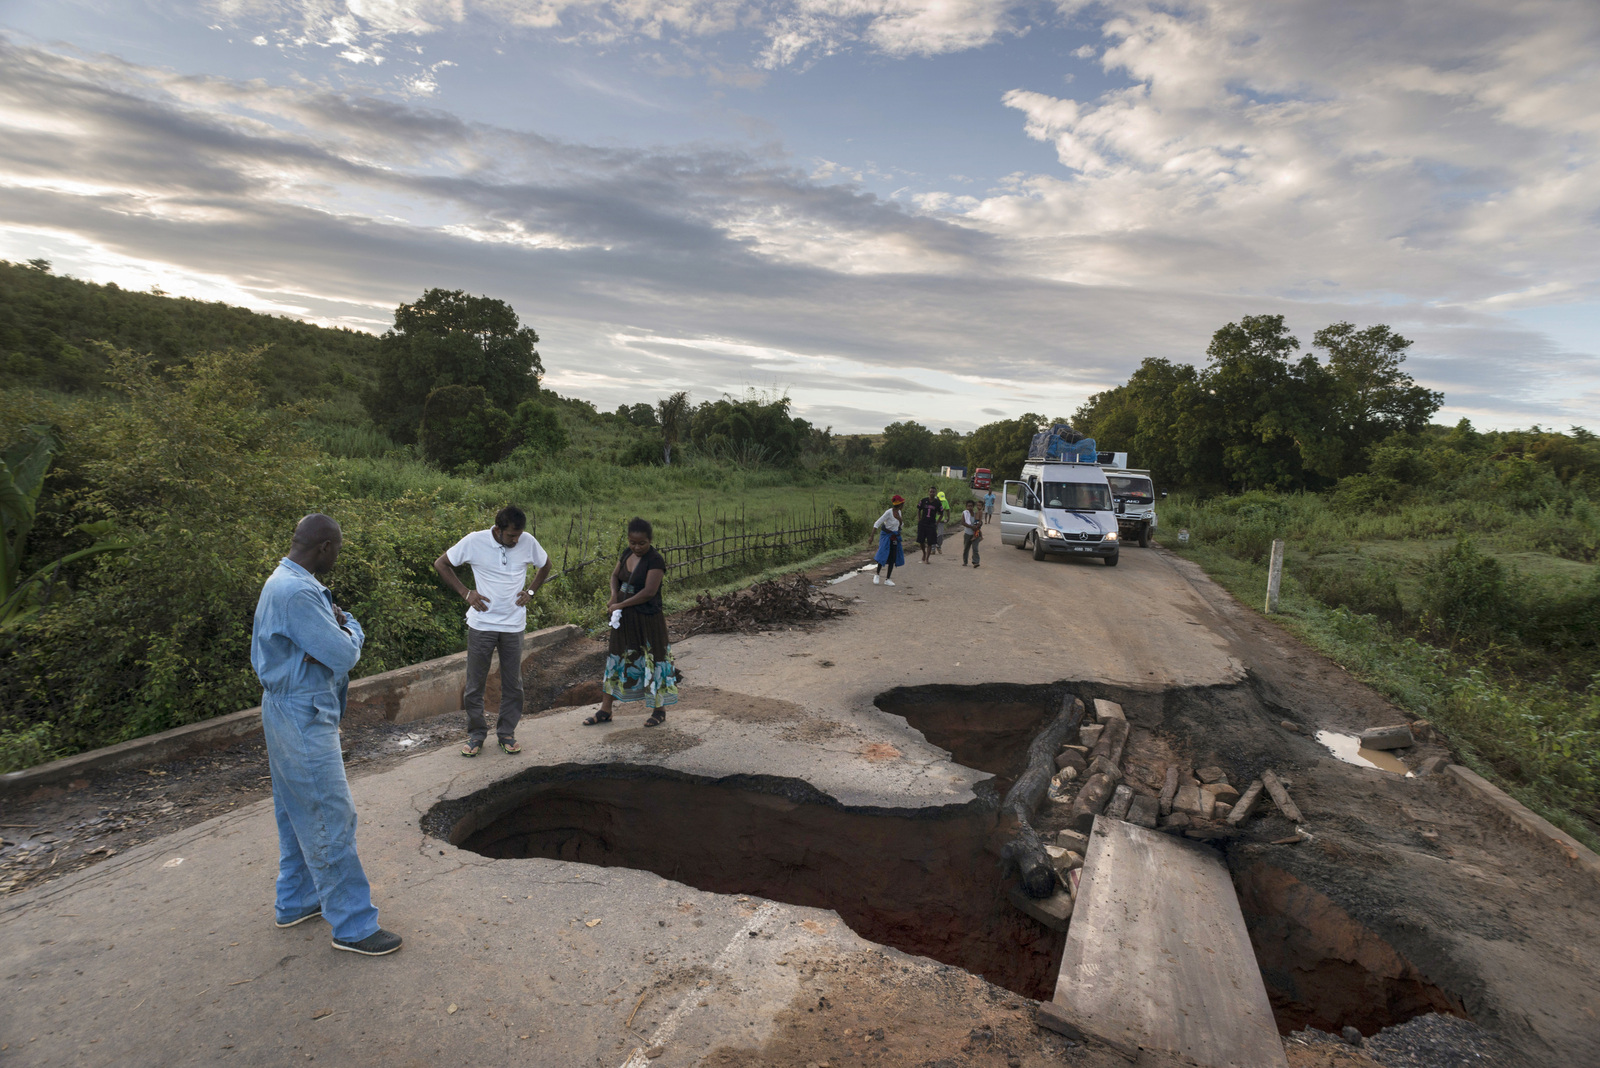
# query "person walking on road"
(928, 511)
(497, 615)
(889, 550)
(971, 532)
(988, 505)
(938, 530)
(302, 648)
(639, 663)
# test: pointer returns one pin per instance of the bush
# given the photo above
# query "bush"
(460, 426)
(537, 428)
(1466, 594)
(1371, 592)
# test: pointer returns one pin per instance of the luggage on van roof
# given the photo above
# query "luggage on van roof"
(1063, 444)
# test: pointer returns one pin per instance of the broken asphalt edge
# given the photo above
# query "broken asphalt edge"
(220, 730)
(1577, 853)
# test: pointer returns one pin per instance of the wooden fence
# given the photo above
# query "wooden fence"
(692, 554)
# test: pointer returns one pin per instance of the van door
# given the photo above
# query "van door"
(1019, 513)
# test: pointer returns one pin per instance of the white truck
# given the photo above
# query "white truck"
(1134, 494)
(1061, 508)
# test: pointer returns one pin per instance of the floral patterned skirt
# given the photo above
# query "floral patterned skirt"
(639, 667)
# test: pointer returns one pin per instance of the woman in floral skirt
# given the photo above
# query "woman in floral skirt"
(639, 667)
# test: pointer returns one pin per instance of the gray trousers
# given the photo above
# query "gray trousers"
(481, 644)
(969, 545)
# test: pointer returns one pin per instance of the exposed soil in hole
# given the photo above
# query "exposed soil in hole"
(917, 880)
(983, 727)
(1324, 969)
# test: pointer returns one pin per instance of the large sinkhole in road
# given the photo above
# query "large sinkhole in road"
(924, 880)
(918, 880)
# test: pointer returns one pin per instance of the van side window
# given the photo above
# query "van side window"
(1017, 495)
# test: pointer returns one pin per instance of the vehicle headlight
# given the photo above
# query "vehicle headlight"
(1051, 532)
(1112, 536)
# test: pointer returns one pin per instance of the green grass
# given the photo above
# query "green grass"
(1525, 718)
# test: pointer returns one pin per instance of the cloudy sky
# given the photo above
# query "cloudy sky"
(946, 210)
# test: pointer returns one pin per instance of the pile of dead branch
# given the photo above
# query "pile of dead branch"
(775, 603)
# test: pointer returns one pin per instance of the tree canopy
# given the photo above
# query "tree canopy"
(1256, 417)
(447, 338)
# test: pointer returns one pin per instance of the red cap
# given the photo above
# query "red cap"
(897, 499)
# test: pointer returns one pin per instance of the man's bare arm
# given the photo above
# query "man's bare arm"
(451, 579)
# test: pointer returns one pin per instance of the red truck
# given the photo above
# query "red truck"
(981, 478)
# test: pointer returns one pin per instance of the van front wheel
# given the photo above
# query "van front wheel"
(1111, 561)
(1038, 548)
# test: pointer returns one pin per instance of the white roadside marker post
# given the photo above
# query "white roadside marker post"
(1274, 575)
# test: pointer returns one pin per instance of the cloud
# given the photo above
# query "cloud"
(1291, 148)
(1223, 180)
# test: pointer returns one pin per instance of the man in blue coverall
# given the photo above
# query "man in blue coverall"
(303, 648)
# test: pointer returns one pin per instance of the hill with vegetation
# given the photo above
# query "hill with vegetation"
(158, 452)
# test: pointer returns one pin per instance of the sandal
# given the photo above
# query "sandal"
(510, 747)
(597, 718)
(470, 750)
(657, 718)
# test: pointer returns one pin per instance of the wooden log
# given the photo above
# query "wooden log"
(1246, 803)
(1280, 796)
(1026, 851)
(1169, 789)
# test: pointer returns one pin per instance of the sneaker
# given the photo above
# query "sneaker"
(316, 911)
(888, 582)
(876, 579)
(376, 944)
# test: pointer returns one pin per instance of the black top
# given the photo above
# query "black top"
(650, 561)
(928, 509)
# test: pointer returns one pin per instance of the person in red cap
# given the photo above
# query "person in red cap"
(889, 551)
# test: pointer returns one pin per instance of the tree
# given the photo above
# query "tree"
(947, 449)
(1375, 397)
(460, 426)
(673, 415)
(752, 429)
(640, 414)
(448, 338)
(1002, 447)
(907, 445)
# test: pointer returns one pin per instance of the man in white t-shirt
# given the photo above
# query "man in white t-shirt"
(496, 617)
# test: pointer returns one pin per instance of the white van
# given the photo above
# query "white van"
(1060, 508)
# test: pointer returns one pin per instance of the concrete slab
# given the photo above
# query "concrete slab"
(1158, 957)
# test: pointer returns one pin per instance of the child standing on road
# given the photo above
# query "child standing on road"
(889, 551)
(971, 532)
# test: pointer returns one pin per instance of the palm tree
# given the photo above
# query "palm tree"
(673, 412)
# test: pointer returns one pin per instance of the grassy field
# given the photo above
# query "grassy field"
(1476, 617)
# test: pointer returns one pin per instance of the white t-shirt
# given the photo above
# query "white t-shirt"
(499, 573)
(968, 523)
(888, 521)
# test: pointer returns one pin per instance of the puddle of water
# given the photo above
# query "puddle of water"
(841, 578)
(408, 741)
(1347, 747)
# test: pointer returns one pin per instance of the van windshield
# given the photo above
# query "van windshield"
(1133, 489)
(1076, 496)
